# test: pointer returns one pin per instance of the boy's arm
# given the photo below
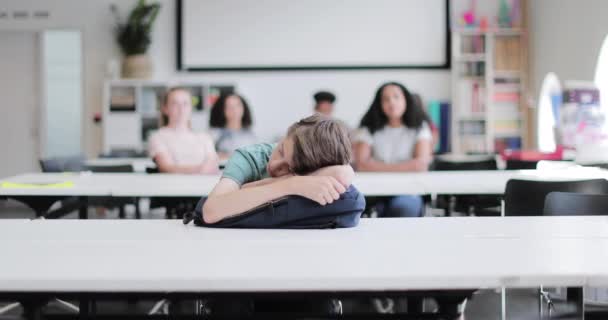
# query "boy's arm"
(344, 173)
(264, 181)
(228, 199)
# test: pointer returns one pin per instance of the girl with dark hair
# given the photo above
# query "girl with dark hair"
(230, 123)
(394, 136)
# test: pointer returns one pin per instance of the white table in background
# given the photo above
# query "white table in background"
(370, 184)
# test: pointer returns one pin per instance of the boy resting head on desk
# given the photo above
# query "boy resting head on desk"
(312, 161)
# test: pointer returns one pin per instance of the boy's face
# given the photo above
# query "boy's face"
(281, 159)
(325, 108)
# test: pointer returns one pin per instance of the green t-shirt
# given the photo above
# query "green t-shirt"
(248, 163)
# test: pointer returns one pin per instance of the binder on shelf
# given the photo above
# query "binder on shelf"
(439, 112)
(445, 127)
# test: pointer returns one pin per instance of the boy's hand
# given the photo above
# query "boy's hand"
(321, 189)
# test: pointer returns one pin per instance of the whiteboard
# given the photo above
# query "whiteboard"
(324, 34)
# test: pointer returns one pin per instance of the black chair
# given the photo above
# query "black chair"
(113, 202)
(175, 207)
(124, 168)
(527, 197)
(471, 204)
(124, 153)
(63, 164)
(521, 164)
(41, 205)
(575, 204)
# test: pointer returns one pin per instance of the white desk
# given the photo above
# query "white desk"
(123, 256)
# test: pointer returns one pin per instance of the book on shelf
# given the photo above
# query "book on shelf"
(507, 143)
(122, 99)
(507, 127)
(472, 69)
(122, 103)
(472, 127)
(471, 95)
(506, 84)
(473, 44)
(197, 97)
(506, 97)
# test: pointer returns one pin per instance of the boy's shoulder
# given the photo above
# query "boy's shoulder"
(258, 148)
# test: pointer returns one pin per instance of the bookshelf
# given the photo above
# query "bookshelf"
(489, 90)
(131, 110)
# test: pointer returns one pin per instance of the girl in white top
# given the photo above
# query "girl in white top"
(175, 147)
(394, 136)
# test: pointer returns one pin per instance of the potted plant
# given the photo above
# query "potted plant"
(134, 37)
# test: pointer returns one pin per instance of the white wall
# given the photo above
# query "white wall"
(18, 116)
(94, 20)
(281, 97)
(278, 98)
(566, 37)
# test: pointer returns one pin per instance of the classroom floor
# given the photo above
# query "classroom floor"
(485, 304)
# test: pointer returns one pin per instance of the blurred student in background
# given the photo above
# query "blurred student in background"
(394, 136)
(230, 123)
(175, 147)
(324, 103)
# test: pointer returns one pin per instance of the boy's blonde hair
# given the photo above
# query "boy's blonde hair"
(319, 141)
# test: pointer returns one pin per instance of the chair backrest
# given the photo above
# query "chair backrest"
(520, 164)
(527, 197)
(442, 165)
(152, 170)
(123, 153)
(62, 164)
(112, 168)
(575, 204)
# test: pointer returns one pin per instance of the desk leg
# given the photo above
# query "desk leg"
(577, 296)
(85, 307)
(503, 303)
(137, 210)
(84, 208)
(32, 309)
